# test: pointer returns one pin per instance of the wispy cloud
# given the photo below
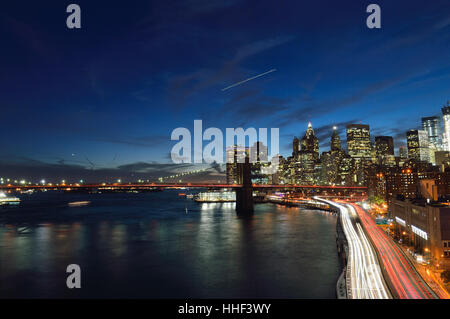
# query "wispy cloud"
(415, 33)
(141, 141)
(250, 105)
(36, 170)
(183, 86)
(310, 108)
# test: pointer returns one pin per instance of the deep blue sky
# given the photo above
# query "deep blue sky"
(108, 96)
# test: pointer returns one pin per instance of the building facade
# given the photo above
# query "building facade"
(432, 125)
(418, 145)
(384, 145)
(446, 118)
(358, 141)
(335, 141)
(234, 155)
(426, 227)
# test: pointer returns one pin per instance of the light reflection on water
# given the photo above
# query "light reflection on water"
(147, 245)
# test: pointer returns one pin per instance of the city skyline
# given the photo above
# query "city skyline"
(191, 170)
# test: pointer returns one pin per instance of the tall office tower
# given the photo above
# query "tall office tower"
(329, 168)
(304, 165)
(306, 168)
(432, 125)
(358, 141)
(234, 155)
(446, 117)
(432, 153)
(310, 143)
(259, 152)
(335, 140)
(259, 162)
(418, 145)
(403, 152)
(280, 176)
(346, 171)
(384, 145)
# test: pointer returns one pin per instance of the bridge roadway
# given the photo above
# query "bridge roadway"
(363, 274)
(180, 185)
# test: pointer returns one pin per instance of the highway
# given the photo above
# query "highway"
(406, 283)
(364, 276)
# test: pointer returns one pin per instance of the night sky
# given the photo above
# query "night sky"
(101, 101)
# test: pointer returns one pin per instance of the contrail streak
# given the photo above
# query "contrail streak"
(249, 79)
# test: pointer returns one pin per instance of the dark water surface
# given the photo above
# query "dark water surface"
(146, 246)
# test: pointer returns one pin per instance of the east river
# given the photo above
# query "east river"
(162, 245)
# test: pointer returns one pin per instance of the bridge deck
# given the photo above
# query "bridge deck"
(182, 185)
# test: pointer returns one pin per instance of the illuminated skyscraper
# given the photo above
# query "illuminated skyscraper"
(335, 140)
(258, 161)
(259, 152)
(346, 171)
(432, 125)
(310, 143)
(234, 155)
(305, 159)
(403, 152)
(384, 150)
(418, 145)
(446, 117)
(384, 145)
(360, 149)
(358, 141)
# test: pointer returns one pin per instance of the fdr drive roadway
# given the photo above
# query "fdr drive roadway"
(376, 267)
(364, 279)
(404, 280)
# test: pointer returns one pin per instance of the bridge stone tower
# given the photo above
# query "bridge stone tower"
(244, 194)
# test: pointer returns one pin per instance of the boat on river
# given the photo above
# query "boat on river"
(6, 200)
